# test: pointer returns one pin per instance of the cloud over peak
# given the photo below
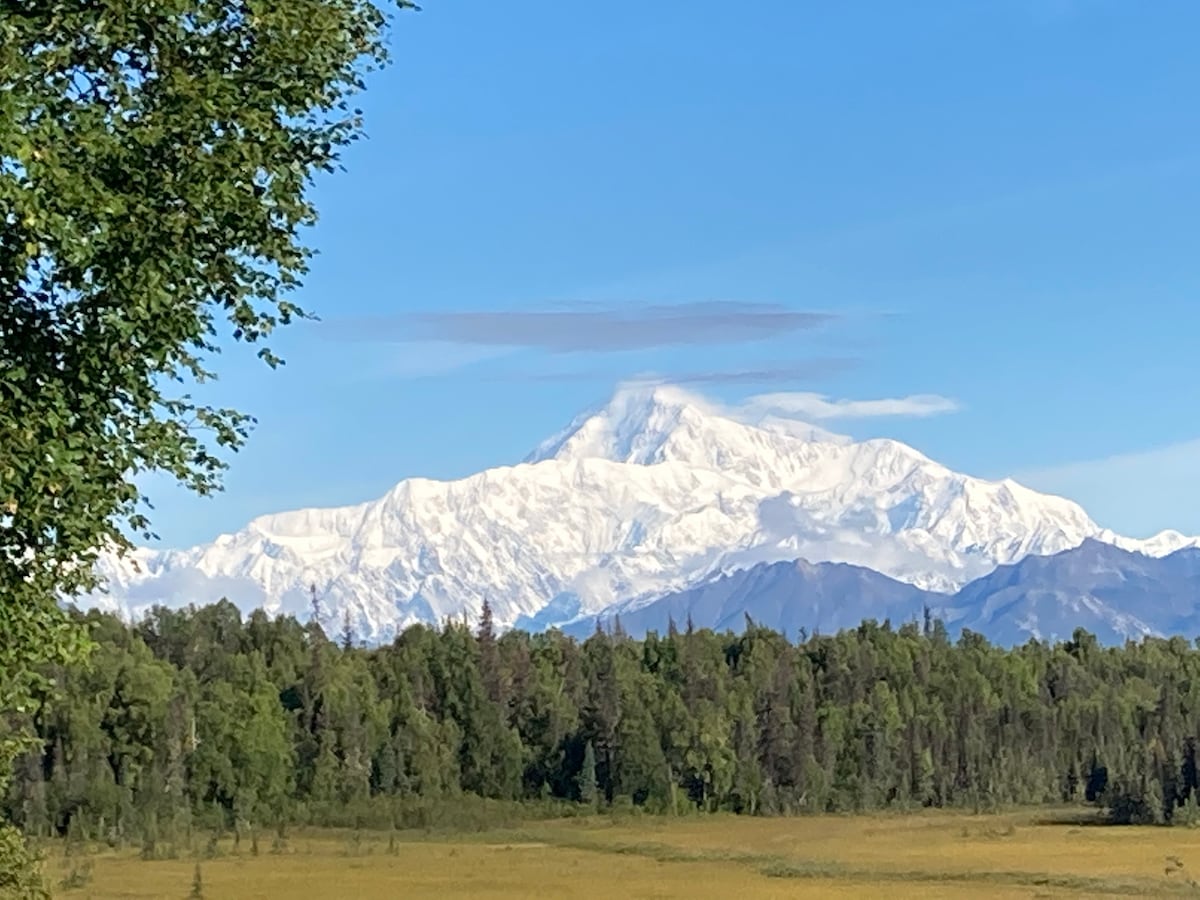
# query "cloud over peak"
(819, 407)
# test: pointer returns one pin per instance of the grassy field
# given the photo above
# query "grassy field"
(930, 855)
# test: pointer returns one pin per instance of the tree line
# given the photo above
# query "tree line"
(200, 718)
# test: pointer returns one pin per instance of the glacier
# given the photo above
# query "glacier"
(654, 491)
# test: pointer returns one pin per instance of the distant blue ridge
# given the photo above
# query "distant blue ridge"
(1115, 594)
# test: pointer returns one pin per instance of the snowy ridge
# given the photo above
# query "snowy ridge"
(655, 491)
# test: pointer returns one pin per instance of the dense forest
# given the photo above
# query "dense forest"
(199, 719)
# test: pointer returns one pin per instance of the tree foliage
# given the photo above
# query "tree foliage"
(196, 719)
(155, 160)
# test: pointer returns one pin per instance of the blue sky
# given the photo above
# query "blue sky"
(990, 201)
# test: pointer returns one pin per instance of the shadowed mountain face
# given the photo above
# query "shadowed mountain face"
(785, 596)
(1113, 593)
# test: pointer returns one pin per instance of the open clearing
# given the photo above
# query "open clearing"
(928, 855)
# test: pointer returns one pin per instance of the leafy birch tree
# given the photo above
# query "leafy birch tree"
(155, 166)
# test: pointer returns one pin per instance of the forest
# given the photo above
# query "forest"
(201, 719)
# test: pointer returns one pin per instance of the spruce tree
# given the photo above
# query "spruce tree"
(586, 782)
(489, 656)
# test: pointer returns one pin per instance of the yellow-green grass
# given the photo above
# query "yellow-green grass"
(927, 855)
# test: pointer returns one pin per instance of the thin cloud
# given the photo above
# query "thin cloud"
(1135, 493)
(781, 373)
(1187, 452)
(819, 407)
(590, 328)
(789, 372)
(415, 360)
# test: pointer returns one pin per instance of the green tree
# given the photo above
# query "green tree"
(588, 793)
(195, 719)
(155, 163)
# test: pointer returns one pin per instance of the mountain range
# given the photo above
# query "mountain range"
(1115, 594)
(660, 500)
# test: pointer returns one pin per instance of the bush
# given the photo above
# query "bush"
(20, 869)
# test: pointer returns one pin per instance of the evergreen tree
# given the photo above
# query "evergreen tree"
(588, 794)
(347, 631)
(197, 717)
(489, 655)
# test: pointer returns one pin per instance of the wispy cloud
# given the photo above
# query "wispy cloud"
(1170, 456)
(1137, 493)
(819, 407)
(590, 328)
(804, 370)
(769, 373)
(423, 359)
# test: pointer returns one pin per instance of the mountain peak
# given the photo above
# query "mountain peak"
(633, 426)
(644, 423)
(644, 404)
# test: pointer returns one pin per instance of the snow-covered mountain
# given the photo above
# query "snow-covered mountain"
(655, 491)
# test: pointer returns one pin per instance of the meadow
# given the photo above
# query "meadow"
(927, 855)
